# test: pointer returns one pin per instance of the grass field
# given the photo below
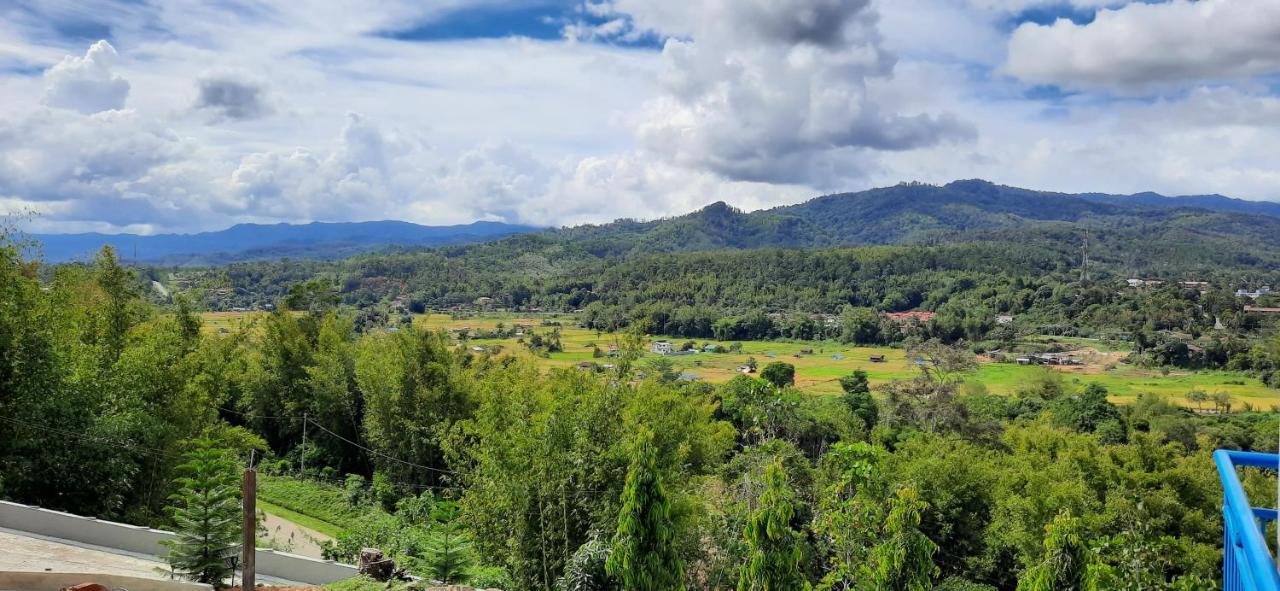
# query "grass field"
(307, 521)
(820, 371)
(317, 505)
(211, 322)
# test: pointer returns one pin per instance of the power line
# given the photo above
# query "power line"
(145, 450)
(83, 437)
(170, 455)
(462, 475)
(378, 453)
(248, 415)
(306, 420)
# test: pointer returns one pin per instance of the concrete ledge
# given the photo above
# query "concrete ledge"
(301, 568)
(25, 581)
(145, 541)
(108, 534)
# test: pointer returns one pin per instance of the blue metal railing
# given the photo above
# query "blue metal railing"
(1247, 564)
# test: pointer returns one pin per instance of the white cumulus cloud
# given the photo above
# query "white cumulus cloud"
(1142, 47)
(86, 84)
(775, 90)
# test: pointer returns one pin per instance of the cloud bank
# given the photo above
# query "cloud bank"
(197, 116)
(1142, 48)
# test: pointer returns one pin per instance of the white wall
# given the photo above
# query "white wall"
(142, 540)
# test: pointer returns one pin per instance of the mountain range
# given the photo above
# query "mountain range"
(908, 213)
(248, 242)
(917, 213)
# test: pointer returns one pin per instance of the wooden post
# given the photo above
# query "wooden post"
(249, 544)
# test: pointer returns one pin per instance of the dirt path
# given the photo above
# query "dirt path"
(287, 536)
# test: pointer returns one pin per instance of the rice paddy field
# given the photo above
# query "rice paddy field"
(818, 372)
(213, 322)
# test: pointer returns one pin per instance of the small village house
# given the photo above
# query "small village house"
(916, 315)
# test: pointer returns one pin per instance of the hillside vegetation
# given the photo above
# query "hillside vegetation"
(508, 451)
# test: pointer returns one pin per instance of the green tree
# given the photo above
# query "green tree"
(903, 561)
(775, 548)
(859, 325)
(779, 373)
(1066, 558)
(116, 314)
(1198, 397)
(662, 369)
(586, 570)
(942, 363)
(1221, 402)
(644, 555)
(1085, 411)
(413, 393)
(206, 514)
(188, 321)
(857, 397)
(448, 553)
(315, 296)
(537, 443)
(850, 511)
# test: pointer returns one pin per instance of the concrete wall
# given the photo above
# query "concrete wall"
(146, 541)
(301, 568)
(86, 530)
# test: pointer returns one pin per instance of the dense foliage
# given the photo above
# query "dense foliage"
(752, 484)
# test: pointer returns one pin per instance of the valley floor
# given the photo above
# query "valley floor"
(819, 372)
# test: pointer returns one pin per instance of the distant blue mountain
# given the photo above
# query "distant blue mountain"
(243, 242)
(1209, 202)
(905, 213)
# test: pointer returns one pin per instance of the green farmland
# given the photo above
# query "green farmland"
(819, 371)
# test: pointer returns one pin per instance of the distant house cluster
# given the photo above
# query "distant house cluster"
(1253, 295)
(668, 348)
(1049, 359)
(917, 315)
(1136, 283)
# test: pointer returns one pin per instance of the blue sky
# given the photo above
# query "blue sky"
(190, 115)
(533, 19)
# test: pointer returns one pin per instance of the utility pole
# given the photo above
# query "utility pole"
(249, 544)
(304, 445)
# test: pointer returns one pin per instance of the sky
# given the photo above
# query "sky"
(153, 116)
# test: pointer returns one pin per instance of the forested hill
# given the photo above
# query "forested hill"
(908, 213)
(912, 213)
(960, 225)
